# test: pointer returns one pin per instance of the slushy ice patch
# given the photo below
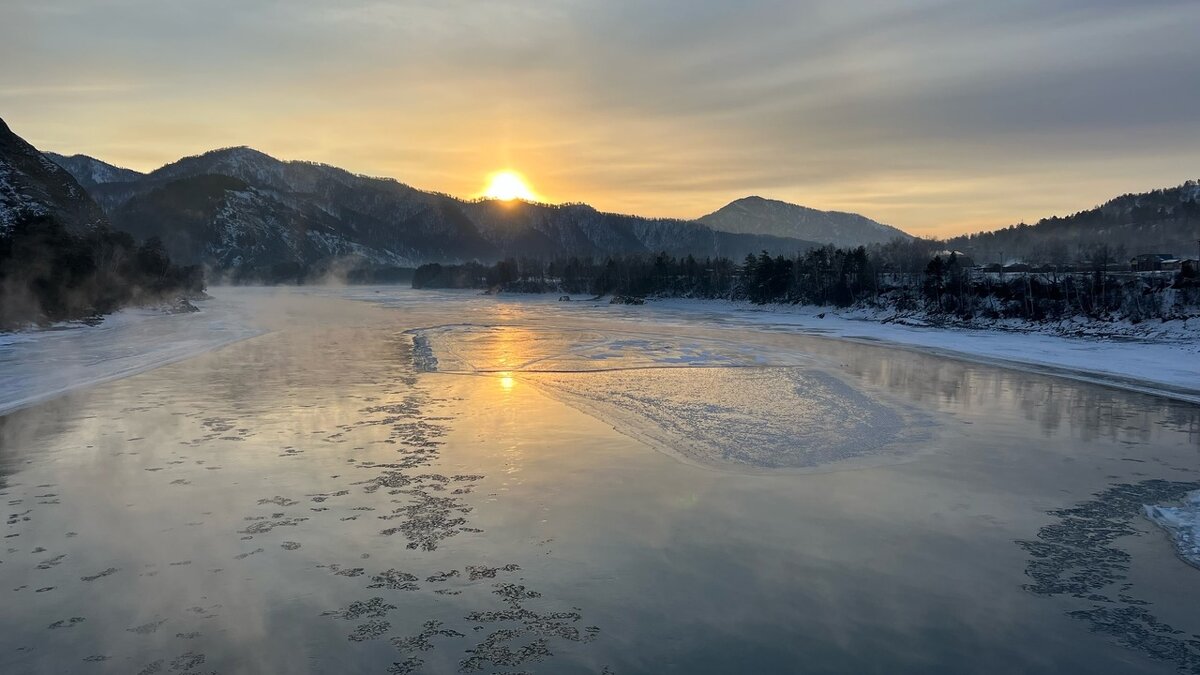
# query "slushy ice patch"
(708, 401)
(422, 354)
(767, 418)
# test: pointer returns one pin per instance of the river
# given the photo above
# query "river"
(390, 481)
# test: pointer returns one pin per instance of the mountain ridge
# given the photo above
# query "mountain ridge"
(306, 213)
(761, 215)
(299, 212)
(1165, 220)
(90, 171)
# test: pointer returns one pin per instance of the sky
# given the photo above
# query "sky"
(937, 117)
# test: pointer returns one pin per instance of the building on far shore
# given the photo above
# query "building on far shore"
(1155, 262)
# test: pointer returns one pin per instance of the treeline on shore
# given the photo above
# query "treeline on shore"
(49, 274)
(902, 276)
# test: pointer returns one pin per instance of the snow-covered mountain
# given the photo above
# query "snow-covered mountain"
(32, 186)
(238, 208)
(59, 259)
(755, 215)
(90, 171)
(227, 224)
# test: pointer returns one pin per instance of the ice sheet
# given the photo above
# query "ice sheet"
(1152, 357)
(706, 401)
(1158, 358)
(743, 418)
(472, 348)
(38, 365)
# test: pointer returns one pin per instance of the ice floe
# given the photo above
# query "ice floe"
(1182, 523)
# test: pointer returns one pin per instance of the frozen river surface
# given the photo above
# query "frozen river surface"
(378, 480)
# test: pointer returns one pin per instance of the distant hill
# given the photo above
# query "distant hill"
(91, 172)
(1159, 221)
(59, 259)
(755, 215)
(240, 209)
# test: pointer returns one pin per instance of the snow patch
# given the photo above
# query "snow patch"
(15, 204)
(1182, 523)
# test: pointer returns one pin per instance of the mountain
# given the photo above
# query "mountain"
(1159, 221)
(91, 172)
(32, 186)
(755, 215)
(240, 209)
(59, 259)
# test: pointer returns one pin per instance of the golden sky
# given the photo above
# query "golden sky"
(938, 118)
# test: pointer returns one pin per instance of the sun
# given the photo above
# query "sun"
(508, 185)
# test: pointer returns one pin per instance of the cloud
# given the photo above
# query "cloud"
(932, 115)
(65, 89)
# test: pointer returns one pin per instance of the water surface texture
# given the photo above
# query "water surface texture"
(394, 482)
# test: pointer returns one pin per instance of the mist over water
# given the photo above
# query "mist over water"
(380, 480)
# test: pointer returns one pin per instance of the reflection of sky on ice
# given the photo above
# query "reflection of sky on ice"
(713, 402)
(475, 349)
(748, 418)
